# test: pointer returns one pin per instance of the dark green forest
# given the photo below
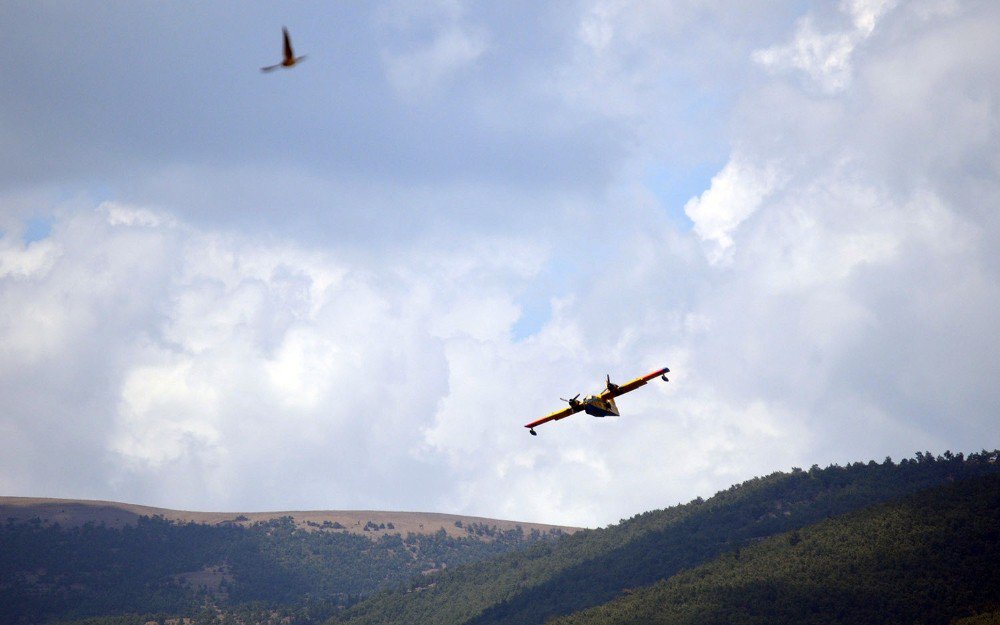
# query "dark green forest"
(926, 559)
(876, 542)
(985, 618)
(593, 567)
(163, 567)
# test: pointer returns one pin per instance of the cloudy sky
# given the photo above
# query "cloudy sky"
(348, 285)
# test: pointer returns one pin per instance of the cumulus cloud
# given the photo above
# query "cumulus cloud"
(837, 303)
(418, 72)
(733, 196)
(430, 44)
(215, 354)
(825, 57)
(224, 372)
(827, 293)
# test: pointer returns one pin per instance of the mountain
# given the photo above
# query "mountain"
(77, 512)
(863, 543)
(72, 559)
(926, 558)
(593, 567)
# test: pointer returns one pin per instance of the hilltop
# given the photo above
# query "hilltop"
(926, 558)
(594, 567)
(77, 512)
(887, 542)
(66, 559)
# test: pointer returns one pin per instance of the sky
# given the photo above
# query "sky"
(347, 285)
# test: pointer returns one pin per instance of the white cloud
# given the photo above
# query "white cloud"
(282, 335)
(122, 215)
(418, 64)
(825, 57)
(417, 72)
(17, 259)
(735, 194)
(619, 56)
(166, 412)
(240, 350)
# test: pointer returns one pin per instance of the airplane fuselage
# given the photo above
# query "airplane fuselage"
(601, 404)
(599, 407)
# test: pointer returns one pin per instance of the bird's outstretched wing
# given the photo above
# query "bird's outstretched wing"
(270, 68)
(289, 55)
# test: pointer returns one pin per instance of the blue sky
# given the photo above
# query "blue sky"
(348, 285)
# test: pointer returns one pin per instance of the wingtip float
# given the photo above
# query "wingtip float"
(600, 405)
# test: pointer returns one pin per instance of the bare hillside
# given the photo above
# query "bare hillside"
(74, 512)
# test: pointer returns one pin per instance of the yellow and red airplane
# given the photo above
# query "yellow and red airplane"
(601, 404)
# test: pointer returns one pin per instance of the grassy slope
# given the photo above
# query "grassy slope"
(76, 512)
(594, 567)
(925, 559)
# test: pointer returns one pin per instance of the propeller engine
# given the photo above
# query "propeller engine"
(664, 376)
(611, 386)
(573, 402)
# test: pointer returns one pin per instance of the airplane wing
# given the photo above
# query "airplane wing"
(631, 385)
(612, 391)
(555, 416)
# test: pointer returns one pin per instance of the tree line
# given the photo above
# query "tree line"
(49, 572)
(594, 567)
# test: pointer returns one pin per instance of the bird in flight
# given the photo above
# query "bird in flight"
(290, 59)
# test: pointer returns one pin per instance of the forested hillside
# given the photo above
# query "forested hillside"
(915, 541)
(984, 618)
(926, 559)
(160, 566)
(593, 567)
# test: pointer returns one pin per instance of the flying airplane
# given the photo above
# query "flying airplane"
(601, 404)
(290, 58)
